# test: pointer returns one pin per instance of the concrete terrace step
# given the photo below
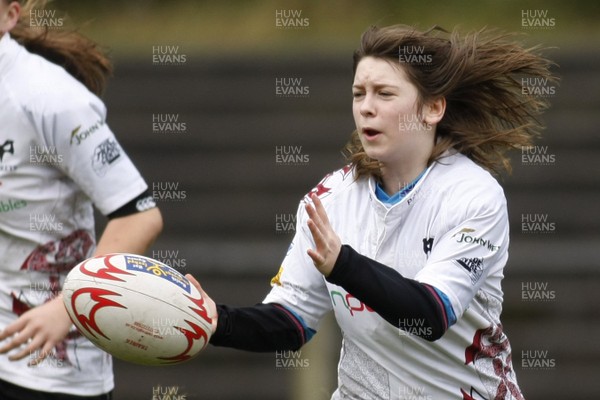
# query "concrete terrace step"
(529, 255)
(235, 170)
(256, 131)
(559, 214)
(225, 79)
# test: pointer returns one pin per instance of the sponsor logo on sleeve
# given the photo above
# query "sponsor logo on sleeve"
(78, 135)
(473, 265)
(466, 235)
(105, 155)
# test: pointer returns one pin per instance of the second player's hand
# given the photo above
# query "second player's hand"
(327, 242)
(37, 331)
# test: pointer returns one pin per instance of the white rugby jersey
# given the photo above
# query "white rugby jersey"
(451, 232)
(57, 157)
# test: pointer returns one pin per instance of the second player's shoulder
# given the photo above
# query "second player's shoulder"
(41, 86)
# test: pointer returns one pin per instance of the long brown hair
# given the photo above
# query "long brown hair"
(489, 109)
(78, 55)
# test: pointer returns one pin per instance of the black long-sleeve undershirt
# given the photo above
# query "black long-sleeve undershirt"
(403, 302)
(260, 328)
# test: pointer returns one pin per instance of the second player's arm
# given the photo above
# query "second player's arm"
(46, 325)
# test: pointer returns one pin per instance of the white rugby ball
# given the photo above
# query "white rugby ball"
(137, 309)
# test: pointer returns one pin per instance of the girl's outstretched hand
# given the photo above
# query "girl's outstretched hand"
(327, 242)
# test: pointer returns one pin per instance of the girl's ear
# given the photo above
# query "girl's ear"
(433, 111)
(9, 17)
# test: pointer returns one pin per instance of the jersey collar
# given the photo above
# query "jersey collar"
(398, 209)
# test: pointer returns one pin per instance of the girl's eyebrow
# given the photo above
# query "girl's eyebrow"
(377, 85)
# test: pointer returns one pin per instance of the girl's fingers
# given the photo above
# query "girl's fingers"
(320, 210)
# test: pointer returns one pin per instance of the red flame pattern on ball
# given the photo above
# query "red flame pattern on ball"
(89, 322)
(105, 273)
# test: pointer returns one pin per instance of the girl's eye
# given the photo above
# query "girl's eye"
(357, 94)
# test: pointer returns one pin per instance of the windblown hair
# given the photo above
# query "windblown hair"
(78, 55)
(489, 109)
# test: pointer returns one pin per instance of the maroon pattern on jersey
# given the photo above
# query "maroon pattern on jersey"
(490, 348)
(55, 258)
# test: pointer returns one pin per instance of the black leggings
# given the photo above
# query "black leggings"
(8, 391)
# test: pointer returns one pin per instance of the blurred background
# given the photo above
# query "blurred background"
(210, 98)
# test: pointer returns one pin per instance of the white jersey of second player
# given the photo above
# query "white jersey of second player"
(57, 157)
(451, 232)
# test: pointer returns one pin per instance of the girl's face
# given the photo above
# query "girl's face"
(390, 127)
(9, 15)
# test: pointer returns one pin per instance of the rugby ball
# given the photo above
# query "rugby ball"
(137, 309)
